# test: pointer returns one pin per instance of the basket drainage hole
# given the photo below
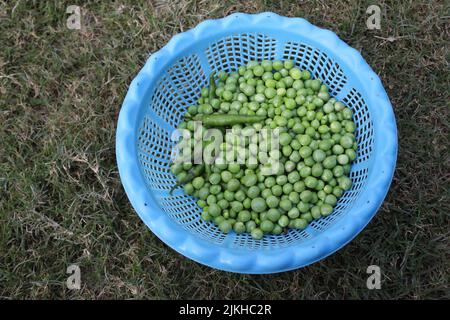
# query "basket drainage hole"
(145, 204)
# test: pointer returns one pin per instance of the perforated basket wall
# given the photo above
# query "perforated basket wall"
(172, 79)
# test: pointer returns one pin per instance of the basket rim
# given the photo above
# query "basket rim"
(256, 261)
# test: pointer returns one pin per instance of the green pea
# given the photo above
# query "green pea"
(188, 188)
(277, 65)
(257, 234)
(330, 199)
(272, 201)
(287, 188)
(286, 204)
(289, 64)
(198, 182)
(303, 207)
(299, 186)
(338, 192)
(305, 152)
(267, 226)
(233, 184)
(297, 84)
(295, 73)
(315, 84)
(258, 71)
(239, 195)
(351, 154)
(343, 159)
(211, 199)
(294, 197)
(250, 226)
(218, 220)
(305, 171)
(293, 177)
(214, 210)
(223, 204)
(302, 110)
(226, 176)
(285, 138)
(225, 226)
(237, 206)
(329, 162)
(239, 227)
(273, 214)
(203, 193)
(258, 204)
(277, 230)
(277, 190)
(311, 182)
(215, 189)
(315, 212)
(281, 180)
(307, 216)
(306, 75)
(249, 180)
(300, 223)
(346, 142)
(306, 196)
(325, 145)
(319, 155)
(283, 221)
(347, 113)
(176, 168)
(247, 203)
(338, 171)
(304, 140)
(317, 170)
(267, 65)
(327, 175)
(338, 106)
(326, 209)
(244, 216)
(345, 183)
(206, 216)
(253, 192)
(289, 166)
(338, 149)
(270, 93)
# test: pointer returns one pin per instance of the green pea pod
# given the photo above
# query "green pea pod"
(207, 170)
(222, 120)
(212, 86)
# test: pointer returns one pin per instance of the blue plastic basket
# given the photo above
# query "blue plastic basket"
(171, 80)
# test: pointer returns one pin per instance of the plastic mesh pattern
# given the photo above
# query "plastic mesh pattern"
(178, 88)
(229, 53)
(154, 152)
(184, 210)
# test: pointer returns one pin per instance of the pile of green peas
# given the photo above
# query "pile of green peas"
(317, 139)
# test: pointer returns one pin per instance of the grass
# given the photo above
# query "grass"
(61, 201)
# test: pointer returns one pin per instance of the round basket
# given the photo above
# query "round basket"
(171, 80)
